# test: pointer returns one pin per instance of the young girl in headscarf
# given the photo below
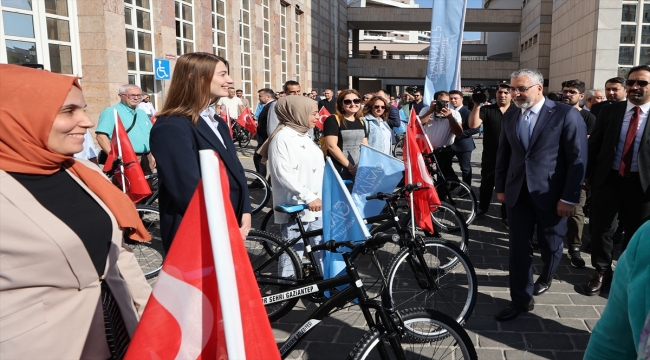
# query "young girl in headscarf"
(296, 167)
(70, 289)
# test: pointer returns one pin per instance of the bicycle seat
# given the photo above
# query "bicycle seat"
(290, 209)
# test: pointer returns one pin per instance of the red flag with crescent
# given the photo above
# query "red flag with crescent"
(323, 114)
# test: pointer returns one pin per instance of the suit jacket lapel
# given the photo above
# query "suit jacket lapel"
(545, 114)
(513, 130)
(225, 152)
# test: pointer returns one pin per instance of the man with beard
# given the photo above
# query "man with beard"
(619, 173)
(572, 93)
(540, 168)
(614, 91)
(490, 116)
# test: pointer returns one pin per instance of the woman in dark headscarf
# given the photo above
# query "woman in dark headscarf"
(70, 289)
(296, 167)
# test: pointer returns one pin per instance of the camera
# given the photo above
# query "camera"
(479, 93)
(440, 104)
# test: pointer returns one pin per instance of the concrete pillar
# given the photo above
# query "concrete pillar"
(355, 43)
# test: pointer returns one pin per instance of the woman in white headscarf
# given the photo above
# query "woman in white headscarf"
(296, 167)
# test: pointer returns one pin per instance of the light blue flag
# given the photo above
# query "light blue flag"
(443, 71)
(377, 172)
(258, 109)
(341, 219)
(402, 116)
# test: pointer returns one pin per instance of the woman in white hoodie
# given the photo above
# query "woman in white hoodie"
(296, 167)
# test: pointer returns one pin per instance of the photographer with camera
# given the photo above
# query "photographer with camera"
(490, 117)
(442, 125)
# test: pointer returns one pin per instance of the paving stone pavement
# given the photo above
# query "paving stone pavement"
(558, 328)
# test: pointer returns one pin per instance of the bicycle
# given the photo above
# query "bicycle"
(240, 135)
(401, 332)
(259, 190)
(436, 265)
(452, 191)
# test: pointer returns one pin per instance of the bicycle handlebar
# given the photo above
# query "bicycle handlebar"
(377, 240)
(384, 196)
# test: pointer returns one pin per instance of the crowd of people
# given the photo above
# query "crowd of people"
(65, 258)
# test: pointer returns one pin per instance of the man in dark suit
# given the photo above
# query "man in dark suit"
(464, 143)
(266, 97)
(329, 102)
(540, 168)
(614, 91)
(619, 173)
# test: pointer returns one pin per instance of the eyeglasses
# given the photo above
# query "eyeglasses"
(350, 101)
(132, 96)
(379, 107)
(572, 92)
(522, 89)
(642, 83)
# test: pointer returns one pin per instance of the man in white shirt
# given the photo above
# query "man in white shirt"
(147, 106)
(232, 103)
(442, 125)
(240, 95)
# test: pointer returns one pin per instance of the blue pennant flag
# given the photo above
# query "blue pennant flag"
(402, 115)
(443, 71)
(377, 172)
(341, 219)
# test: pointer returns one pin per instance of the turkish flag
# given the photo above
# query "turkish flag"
(136, 186)
(246, 121)
(323, 114)
(425, 199)
(224, 116)
(206, 303)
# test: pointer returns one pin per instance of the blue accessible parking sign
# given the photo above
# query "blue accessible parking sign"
(162, 69)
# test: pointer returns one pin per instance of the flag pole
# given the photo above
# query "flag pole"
(410, 181)
(119, 150)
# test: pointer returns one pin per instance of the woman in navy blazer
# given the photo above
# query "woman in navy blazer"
(186, 125)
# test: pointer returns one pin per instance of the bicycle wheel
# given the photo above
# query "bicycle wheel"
(448, 224)
(418, 344)
(273, 276)
(245, 138)
(150, 255)
(451, 270)
(461, 196)
(398, 148)
(269, 225)
(259, 190)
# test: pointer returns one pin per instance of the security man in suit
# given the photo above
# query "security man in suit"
(464, 143)
(619, 173)
(540, 168)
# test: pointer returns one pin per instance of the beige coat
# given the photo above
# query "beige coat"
(50, 304)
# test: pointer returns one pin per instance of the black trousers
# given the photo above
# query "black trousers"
(551, 227)
(257, 161)
(444, 160)
(487, 186)
(465, 163)
(622, 196)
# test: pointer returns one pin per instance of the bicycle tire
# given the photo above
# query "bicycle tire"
(259, 190)
(269, 225)
(261, 246)
(449, 225)
(462, 197)
(456, 344)
(245, 138)
(398, 148)
(452, 271)
(150, 255)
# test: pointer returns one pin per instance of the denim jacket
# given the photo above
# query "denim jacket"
(375, 138)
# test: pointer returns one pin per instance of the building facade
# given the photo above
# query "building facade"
(108, 43)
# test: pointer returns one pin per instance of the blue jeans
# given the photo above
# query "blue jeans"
(290, 231)
(480, 130)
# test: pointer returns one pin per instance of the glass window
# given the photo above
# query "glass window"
(58, 30)
(60, 58)
(132, 79)
(18, 4)
(628, 34)
(145, 62)
(646, 13)
(187, 13)
(629, 13)
(188, 32)
(142, 18)
(622, 72)
(146, 83)
(18, 24)
(188, 47)
(644, 55)
(130, 59)
(178, 28)
(221, 40)
(56, 7)
(179, 49)
(645, 34)
(222, 53)
(626, 55)
(221, 23)
(21, 52)
(127, 15)
(144, 41)
(130, 40)
(142, 3)
(220, 7)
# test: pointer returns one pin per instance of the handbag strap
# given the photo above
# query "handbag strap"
(135, 117)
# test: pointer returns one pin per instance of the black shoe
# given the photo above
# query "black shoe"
(541, 286)
(504, 223)
(481, 213)
(597, 283)
(576, 259)
(512, 311)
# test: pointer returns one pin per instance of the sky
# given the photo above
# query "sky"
(470, 4)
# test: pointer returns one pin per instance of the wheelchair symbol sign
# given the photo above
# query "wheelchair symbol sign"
(162, 69)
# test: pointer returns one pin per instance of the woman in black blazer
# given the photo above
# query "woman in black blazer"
(186, 125)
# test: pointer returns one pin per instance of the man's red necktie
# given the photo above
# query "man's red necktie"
(628, 148)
